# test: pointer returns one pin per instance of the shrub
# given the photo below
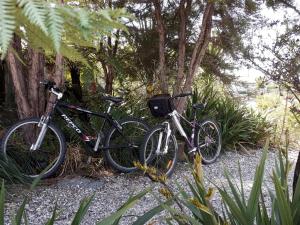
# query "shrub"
(10, 172)
(277, 112)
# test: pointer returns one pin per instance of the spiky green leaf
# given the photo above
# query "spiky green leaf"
(81, 212)
(18, 217)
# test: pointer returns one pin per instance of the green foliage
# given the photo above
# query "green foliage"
(45, 25)
(276, 109)
(115, 217)
(10, 172)
(239, 208)
(55, 25)
(7, 24)
(239, 125)
(84, 205)
(21, 218)
(35, 11)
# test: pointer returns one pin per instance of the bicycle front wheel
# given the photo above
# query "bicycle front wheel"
(18, 140)
(123, 147)
(159, 154)
(208, 140)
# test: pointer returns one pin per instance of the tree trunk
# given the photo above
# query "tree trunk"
(109, 79)
(36, 96)
(9, 87)
(163, 81)
(184, 9)
(296, 173)
(2, 82)
(21, 96)
(108, 68)
(76, 85)
(29, 94)
(198, 52)
(58, 76)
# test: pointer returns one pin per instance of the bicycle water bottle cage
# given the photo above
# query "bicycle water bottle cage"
(160, 105)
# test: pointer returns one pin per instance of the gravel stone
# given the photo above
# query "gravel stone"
(111, 192)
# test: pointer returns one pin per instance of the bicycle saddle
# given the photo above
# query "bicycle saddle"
(199, 106)
(115, 100)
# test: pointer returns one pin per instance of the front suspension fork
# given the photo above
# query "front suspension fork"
(168, 131)
(44, 126)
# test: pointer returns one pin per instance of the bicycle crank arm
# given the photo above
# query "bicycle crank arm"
(192, 151)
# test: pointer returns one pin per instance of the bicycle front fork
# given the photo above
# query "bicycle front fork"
(167, 131)
(44, 126)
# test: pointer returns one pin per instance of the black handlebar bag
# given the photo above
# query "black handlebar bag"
(161, 105)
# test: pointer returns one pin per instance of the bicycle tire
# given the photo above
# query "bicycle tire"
(151, 159)
(29, 130)
(123, 161)
(208, 149)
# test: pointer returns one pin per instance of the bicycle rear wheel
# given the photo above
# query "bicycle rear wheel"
(208, 140)
(155, 156)
(123, 148)
(20, 137)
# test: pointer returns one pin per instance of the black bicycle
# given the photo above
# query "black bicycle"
(159, 149)
(38, 146)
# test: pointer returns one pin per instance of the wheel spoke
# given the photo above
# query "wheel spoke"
(162, 162)
(123, 148)
(32, 163)
(208, 141)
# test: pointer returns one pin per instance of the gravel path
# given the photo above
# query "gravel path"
(111, 192)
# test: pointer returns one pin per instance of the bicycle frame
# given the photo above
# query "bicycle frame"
(57, 106)
(175, 117)
(106, 116)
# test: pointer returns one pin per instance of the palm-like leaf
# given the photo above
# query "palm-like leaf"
(39, 18)
(7, 23)
(35, 11)
(55, 26)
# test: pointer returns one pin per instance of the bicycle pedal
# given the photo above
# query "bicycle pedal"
(89, 160)
(192, 151)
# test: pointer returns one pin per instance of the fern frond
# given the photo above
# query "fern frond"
(77, 37)
(55, 26)
(35, 11)
(32, 34)
(72, 54)
(39, 40)
(7, 24)
(83, 17)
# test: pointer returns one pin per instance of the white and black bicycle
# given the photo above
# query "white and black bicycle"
(159, 149)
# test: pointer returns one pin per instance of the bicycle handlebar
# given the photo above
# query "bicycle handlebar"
(51, 86)
(48, 84)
